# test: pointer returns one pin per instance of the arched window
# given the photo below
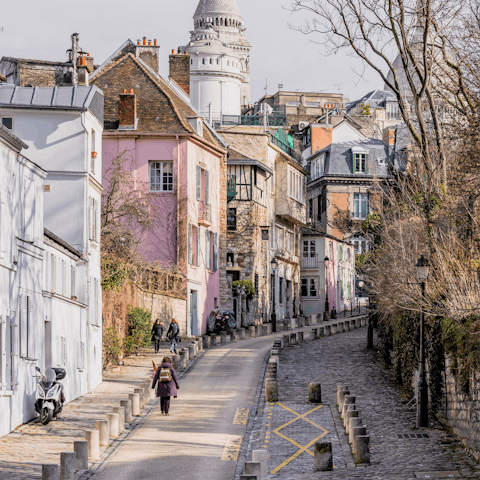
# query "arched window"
(216, 22)
(211, 61)
(191, 61)
(228, 63)
(203, 61)
(221, 22)
(218, 61)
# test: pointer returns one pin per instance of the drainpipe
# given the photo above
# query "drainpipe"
(210, 114)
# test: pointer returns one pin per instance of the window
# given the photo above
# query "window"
(319, 208)
(230, 258)
(203, 185)
(94, 220)
(361, 245)
(316, 168)
(203, 61)
(280, 290)
(360, 205)
(309, 248)
(393, 112)
(211, 61)
(161, 176)
(279, 238)
(289, 242)
(360, 163)
(61, 351)
(207, 250)
(93, 154)
(293, 104)
(215, 252)
(7, 122)
(29, 210)
(255, 285)
(314, 104)
(232, 219)
(296, 186)
(73, 284)
(309, 288)
(27, 340)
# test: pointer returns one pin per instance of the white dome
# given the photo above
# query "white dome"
(228, 7)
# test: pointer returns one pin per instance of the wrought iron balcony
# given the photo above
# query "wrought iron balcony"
(204, 214)
(310, 263)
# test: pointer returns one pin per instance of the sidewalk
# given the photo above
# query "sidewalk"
(288, 428)
(23, 451)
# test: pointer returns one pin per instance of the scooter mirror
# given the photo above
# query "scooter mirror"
(38, 370)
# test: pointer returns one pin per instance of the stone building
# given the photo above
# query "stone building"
(219, 59)
(266, 210)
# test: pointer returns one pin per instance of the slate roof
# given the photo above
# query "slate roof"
(2, 78)
(228, 7)
(313, 232)
(59, 241)
(376, 98)
(36, 62)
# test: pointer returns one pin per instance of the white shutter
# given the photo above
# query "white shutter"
(97, 226)
(3, 352)
(190, 244)
(54, 273)
(3, 220)
(13, 352)
(90, 217)
(63, 278)
(198, 246)
(29, 210)
(64, 352)
(30, 329)
(22, 310)
(81, 356)
(73, 281)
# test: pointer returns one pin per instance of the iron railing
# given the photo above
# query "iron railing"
(286, 148)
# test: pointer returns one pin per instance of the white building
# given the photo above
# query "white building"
(220, 59)
(21, 281)
(63, 127)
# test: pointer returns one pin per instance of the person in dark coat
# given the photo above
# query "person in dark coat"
(166, 390)
(173, 335)
(157, 334)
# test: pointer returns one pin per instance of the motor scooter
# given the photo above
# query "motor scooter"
(49, 396)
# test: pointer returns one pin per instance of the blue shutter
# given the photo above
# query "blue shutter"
(198, 246)
(215, 252)
(354, 162)
(207, 188)
(190, 246)
(207, 249)
(199, 182)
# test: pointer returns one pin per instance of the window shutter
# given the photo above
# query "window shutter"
(215, 252)
(90, 214)
(190, 244)
(366, 163)
(30, 329)
(64, 345)
(97, 223)
(198, 246)
(199, 182)
(2, 220)
(207, 249)
(13, 352)
(64, 280)
(3, 353)
(354, 162)
(73, 280)
(22, 309)
(52, 273)
(207, 188)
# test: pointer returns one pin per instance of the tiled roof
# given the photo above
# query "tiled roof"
(228, 7)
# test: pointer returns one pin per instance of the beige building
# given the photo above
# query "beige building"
(266, 210)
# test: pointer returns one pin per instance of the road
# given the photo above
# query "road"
(191, 441)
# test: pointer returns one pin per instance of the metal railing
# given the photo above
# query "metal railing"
(310, 263)
(286, 148)
(254, 120)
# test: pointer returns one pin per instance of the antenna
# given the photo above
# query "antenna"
(266, 86)
(338, 85)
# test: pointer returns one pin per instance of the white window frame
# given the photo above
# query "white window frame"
(361, 200)
(310, 282)
(361, 245)
(311, 248)
(163, 187)
(296, 190)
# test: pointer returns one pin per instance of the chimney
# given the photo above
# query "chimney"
(389, 136)
(127, 110)
(180, 70)
(148, 53)
(280, 87)
(322, 136)
(89, 61)
(82, 71)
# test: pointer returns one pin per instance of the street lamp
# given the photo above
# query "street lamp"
(274, 265)
(423, 267)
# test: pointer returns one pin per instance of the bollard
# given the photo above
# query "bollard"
(175, 361)
(112, 419)
(353, 423)
(140, 392)
(286, 340)
(134, 399)
(322, 460)
(271, 390)
(339, 389)
(248, 477)
(199, 341)
(293, 323)
(206, 341)
(263, 330)
(307, 322)
(223, 338)
(103, 432)
(146, 393)
(334, 328)
(353, 325)
(121, 416)
(299, 337)
(321, 332)
(93, 444)
(348, 400)
(191, 349)
(348, 415)
(241, 334)
(49, 472)
(340, 327)
(363, 448)
(328, 330)
(251, 331)
(358, 323)
(315, 393)
(357, 431)
(343, 393)
(260, 456)
(253, 468)
(213, 339)
(268, 328)
(364, 321)
(346, 326)
(150, 392)
(312, 334)
(293, 339)
(186, 353)
(345, 409)
(67, 465)
(233, 336)
(80, 447)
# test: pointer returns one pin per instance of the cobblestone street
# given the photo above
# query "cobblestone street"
(286, 428)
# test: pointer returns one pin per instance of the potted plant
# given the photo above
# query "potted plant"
(94, 154)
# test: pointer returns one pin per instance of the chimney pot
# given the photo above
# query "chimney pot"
(173, 51)
(144, 40)
(155, 42)
(186, 53)
(150, 42)
(124, 90)
(139, 42)
(130, 91)
(88, 54)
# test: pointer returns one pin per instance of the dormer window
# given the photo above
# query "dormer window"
(359, 160)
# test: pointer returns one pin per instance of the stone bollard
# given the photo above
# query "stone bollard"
(233, 336)
(127, 407)
(348, 400)
(271, 390)
(146, 393)
(343, 393)
(315, 393)
(353, 325)
(340, 327)
(112, 419)
(67, 466)
(103, 432)
(223, 338)
(206, 341)
(349, 415)
(293, 323)
(286, 340)
(328, 330)
(93, 444)
(251, 331)
(264, 330)
(213, 339)
(269, 328)
(176, 361)
(307, 322)
(356, 432)
(334, 328)
(151, 391)
(49, 472)
(186, 353)
(354, 422)
(364, 321)
(346, 326)
(253, 468)
(80, 447)
(241, 333)
(340, 388)
(121, 416)
(191, 349)
(321, 332)
(322, 460)
(299, 337)
(293, 339)
(199, 341)
(312, 334)
(363, 448)
(358, 323)
(140, 392)
(260, 456)
(345, 409)
(135, 399)
(182, 362)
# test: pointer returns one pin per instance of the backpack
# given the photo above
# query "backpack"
(165, 375)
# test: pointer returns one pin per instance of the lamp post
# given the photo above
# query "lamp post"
(274, 265)
(422, 267)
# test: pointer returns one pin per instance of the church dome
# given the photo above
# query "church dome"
(228, 7)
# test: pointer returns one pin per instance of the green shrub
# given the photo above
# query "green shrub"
(112, 347)
(249, 288)
(139, 329)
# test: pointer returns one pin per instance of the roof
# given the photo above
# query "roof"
(237, 158)
(62, 243)
(36, 62)
(376, 98)
(228, 7)
(313, 232)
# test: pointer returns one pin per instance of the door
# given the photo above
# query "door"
(193, 312)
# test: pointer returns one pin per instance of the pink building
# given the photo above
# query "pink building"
(178, 159)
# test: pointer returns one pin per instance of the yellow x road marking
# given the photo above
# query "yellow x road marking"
(301, 448)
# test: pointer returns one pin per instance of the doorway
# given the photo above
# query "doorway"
(194, 312)
(48, 345)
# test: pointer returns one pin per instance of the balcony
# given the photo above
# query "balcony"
(310, 263)
(291, 210)
(204, 214)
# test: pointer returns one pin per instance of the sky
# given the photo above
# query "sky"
(41, 30)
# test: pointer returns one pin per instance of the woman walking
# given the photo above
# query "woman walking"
(173, 335)
(167, 384)
(157, 334)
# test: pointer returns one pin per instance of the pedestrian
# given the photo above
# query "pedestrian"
(167, 384)
(173, 335)
(157, 334)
